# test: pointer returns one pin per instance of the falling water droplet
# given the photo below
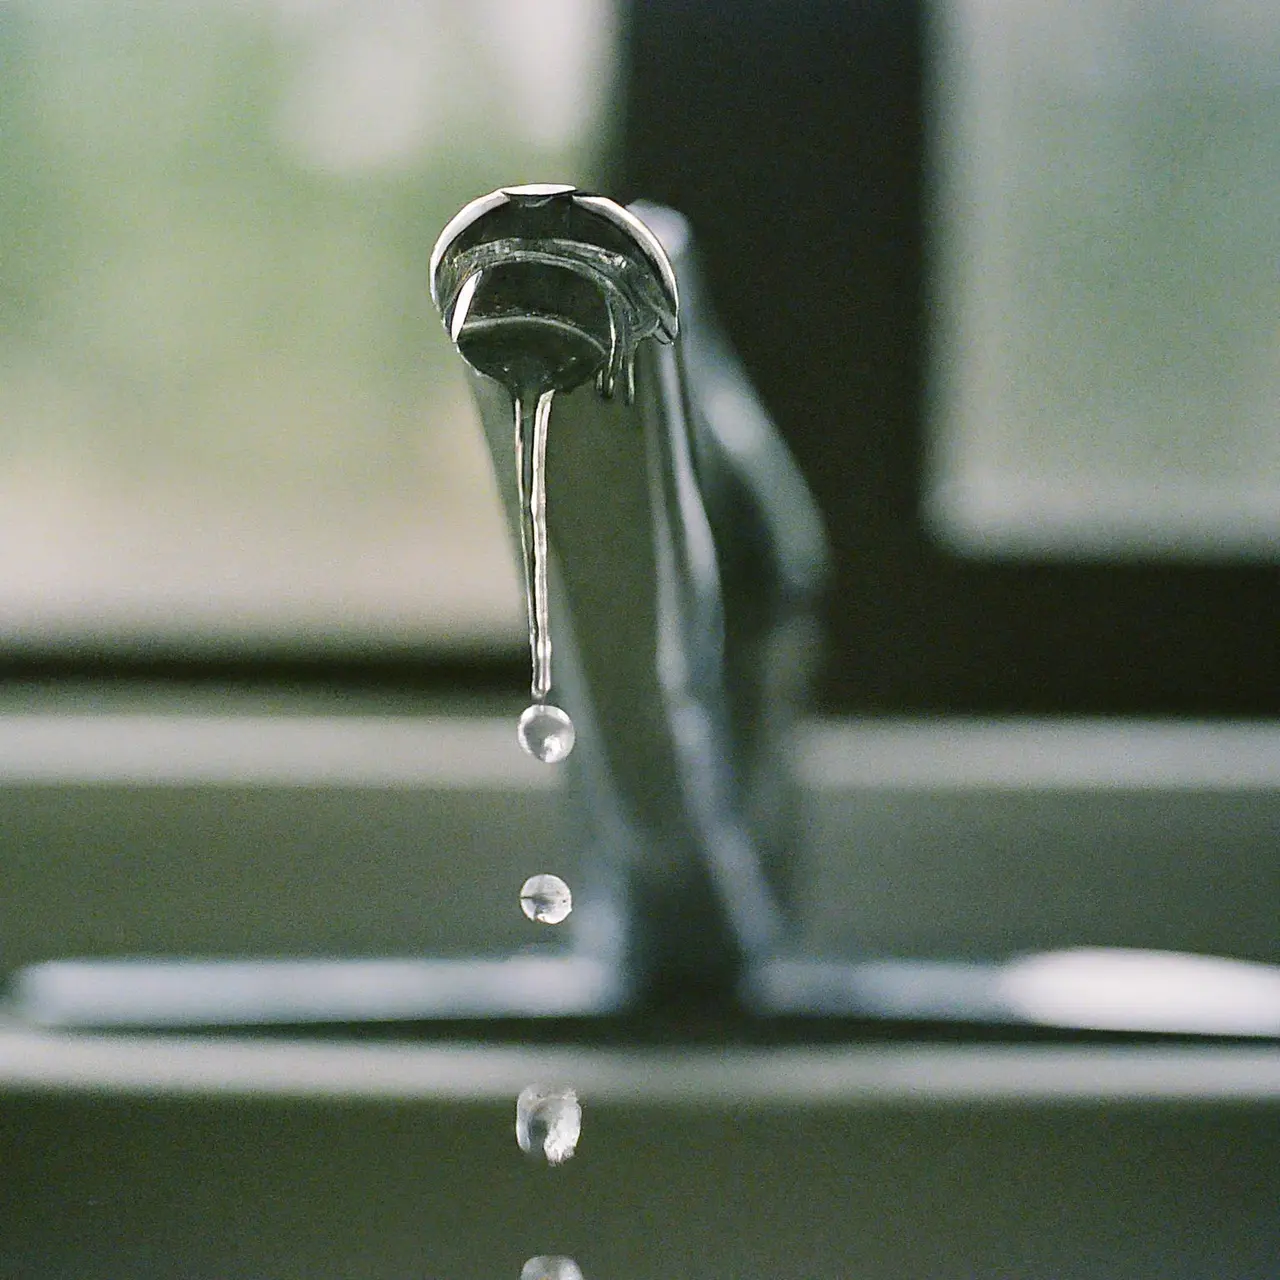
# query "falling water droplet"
(546, 732)
(548, 1122)
(546, 899)
(551, 1269)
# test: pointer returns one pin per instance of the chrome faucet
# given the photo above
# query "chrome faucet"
(686, 560)
(686, 556)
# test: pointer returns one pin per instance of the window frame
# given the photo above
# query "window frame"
(797, 142)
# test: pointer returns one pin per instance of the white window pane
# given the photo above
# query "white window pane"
(1107, 276)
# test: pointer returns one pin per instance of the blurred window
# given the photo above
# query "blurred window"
(1108, 277)
(1006, 274)
(228, 411)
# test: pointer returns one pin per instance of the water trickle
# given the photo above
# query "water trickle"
(533, 414)
(545, 732)
(546, 899)
(551, 1269)
(548, 1122)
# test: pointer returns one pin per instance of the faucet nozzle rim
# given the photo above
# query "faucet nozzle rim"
(648, 243)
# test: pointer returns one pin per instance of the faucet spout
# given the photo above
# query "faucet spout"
(670, 547)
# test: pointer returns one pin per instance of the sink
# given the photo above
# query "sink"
(190, 1158)
(159, 826)
(137, 831)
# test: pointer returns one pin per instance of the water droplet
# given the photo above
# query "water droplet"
(551, 1269)
(548, 1122)
(546, 899)
(546, 732)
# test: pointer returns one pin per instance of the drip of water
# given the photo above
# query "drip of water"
(551, 1269)
(544, 731)
(533, 414)
(548, 1122)
(546, 899)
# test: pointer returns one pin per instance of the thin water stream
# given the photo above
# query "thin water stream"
(545, 731)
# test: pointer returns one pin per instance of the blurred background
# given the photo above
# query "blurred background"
(1106, 296)
(228, 413)
(1006, 277)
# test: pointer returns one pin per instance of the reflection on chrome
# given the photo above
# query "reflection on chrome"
(1121, 989)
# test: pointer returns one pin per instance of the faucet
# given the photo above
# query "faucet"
(671, 551)
(674, 555)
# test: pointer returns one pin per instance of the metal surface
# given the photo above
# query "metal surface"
(947, 870)
(687, 556)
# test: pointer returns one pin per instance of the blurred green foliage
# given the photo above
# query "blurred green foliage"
(179, 289)
(227, 406)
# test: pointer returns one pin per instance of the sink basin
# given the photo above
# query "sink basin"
(239, 1159)
(155, 827)
(207, 833)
